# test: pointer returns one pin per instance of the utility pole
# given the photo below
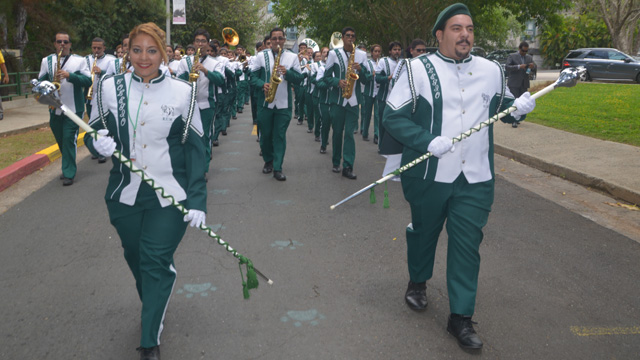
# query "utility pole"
(169, 17)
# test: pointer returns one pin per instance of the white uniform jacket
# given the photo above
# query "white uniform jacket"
(261, 74)
(206, 83)
(448, 98)
(72, 89)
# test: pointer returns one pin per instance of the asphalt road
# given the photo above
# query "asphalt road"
(553, 283)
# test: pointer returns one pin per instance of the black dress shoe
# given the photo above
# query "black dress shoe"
(93, 157)
(515, 124)
(224, 132)
(152, 353)
(348, 173)
(323, 150)
(461, 327)
(240, 111)
(299, 122)
(317, 138)
(268, 167)
(364, 138)
(102, 160)
(67, 182)
(416, 296)
(62, 177)
(336, 169)
(309, 131)
(234, 117)
(375, 139)
(215, 143)
(279, 176)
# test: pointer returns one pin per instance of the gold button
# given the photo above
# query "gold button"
(142, 123)
(146, 103)
(463, 111)
(144, 146)
(463, 161)
(147, 86)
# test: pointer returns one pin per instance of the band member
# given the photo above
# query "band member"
(236, 69)
(324, 105)
(344, 112)
(98, 62)
(417, 48)
(243, 80)
(73, 75)
(310, 71)
(150, 131)
(116, 66)
(438, 97)
(274, 117)
(224, 96)
(208, 76)
(119, 51)
(384, 75)
(299, 89)
(252, 89)
(370, 105)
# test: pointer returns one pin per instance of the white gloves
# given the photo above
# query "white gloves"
(524, 105)
(105, 145)
(195, 218)
(440, 146)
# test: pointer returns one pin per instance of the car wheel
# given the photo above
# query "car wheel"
(585, 76)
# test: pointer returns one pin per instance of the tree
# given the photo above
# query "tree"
(493, 26)
(215, 15)
(623, 21)
(382, 21)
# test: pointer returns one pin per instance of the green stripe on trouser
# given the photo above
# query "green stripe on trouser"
(344, 120)
(466, 209)
(325, 118)
(273, 124)
(149, 235)
(65, 132)
(206, 115)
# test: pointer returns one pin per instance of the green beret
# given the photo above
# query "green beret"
(448, 13)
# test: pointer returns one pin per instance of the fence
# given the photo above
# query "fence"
(19, 85)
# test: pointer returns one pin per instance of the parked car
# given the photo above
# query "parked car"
(501, 56)
(478, 51)
(603, 63)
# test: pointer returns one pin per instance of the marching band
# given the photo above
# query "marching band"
(165, 107)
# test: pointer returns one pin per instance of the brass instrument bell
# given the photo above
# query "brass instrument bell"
(230, 36)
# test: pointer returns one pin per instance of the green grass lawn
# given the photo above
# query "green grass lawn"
(603, 111)
(17, 147)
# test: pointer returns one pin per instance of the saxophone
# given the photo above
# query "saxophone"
(57, 79)
(193, 75)
(93, 79)
(275, 79)
(123, 65)
(352, 77)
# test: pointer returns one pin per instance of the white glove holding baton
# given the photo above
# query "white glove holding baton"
(105, 145)
(195, 218)
(440, 146)
(524, 104)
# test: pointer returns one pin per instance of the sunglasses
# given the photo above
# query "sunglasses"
(62, 41)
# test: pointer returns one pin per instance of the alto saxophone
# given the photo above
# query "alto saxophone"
(352, 77)
(275, 79)
(193, 75)
(123, 66)
(57, 78)
(93, 79)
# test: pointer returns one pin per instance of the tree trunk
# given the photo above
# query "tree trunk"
(621, 17)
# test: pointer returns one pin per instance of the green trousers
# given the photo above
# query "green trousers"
(325, 124)
(222, 115)
(344, 121)
(465, 207)
(65, 132)
(150, 235)
(242, 95)
(309, 110)
(317, 117)
(206, 116)
(369, 106)
(233, 95)
(273, 125)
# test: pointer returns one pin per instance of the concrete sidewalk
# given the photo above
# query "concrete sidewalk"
(603, 165)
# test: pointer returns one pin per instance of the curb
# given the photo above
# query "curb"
(20, 169)
(578, 177)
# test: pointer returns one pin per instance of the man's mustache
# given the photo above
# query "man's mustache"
(465, 41)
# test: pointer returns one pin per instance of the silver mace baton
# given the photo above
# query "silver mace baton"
(568, 78)
(45, 93)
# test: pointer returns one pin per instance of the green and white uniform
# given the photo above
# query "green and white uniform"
(64, 130)
(323, 89)
(206, 98)
(369, 105)
(344, 112)
(103, 64)
(274, 118)
(434, 96)
(148, 122)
